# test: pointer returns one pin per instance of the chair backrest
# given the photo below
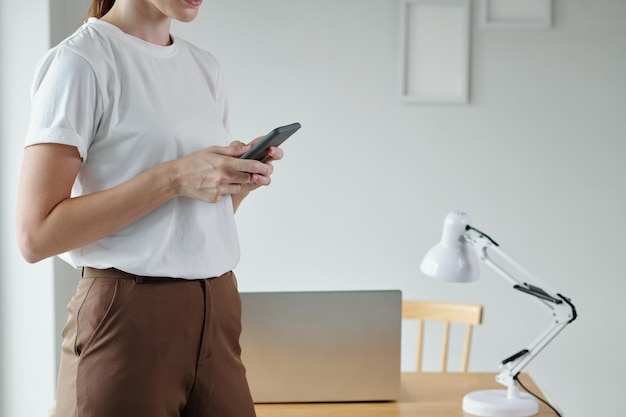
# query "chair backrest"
(467, 314)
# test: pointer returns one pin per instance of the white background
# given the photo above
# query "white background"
(535, 158)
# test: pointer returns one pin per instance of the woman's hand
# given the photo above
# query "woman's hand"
(210, 174)
(273, 154)
(257, 180)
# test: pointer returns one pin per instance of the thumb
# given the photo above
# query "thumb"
(235, 149)
(238, 148)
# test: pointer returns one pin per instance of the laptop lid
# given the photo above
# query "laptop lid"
(329, 346)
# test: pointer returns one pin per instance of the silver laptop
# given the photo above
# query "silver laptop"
(330, 346)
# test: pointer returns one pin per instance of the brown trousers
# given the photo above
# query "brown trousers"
(152, 347)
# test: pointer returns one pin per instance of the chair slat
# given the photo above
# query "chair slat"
(422, 311)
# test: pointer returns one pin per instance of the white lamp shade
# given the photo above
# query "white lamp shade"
(451, 259)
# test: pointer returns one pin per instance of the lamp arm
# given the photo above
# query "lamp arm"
(562, 310)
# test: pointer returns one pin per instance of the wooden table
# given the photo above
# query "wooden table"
(422, 395)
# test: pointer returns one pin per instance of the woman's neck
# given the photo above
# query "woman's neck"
(142, 20)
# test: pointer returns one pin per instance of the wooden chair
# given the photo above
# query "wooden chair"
(468, 314)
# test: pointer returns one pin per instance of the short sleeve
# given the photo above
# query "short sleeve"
(66, 106)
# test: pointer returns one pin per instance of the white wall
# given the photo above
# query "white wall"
(535, 159)
(27, 372)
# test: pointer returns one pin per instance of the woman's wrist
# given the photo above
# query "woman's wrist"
(171, 176)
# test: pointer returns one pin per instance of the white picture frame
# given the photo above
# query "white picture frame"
(434, 51)
(516, 14)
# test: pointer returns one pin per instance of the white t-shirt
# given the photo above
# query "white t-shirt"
(128, 105)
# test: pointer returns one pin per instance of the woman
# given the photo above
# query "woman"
(128, 173)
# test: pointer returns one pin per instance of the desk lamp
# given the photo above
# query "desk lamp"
(454, 260)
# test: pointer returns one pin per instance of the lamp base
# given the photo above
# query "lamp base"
(495, 403)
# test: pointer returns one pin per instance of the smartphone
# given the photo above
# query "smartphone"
(274, 138)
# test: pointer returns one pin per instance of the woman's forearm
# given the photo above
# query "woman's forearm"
(75, 222)
(49, 222)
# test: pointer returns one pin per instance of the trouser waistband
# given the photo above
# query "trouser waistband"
(89, 272)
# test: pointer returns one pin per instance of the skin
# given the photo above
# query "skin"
(50, 222)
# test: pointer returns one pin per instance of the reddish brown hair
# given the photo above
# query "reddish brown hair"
(99, 8)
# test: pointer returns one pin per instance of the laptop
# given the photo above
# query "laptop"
(327, 346)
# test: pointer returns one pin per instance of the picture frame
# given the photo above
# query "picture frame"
(434, 51)
(516, 14)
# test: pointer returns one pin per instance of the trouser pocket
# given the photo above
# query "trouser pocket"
(94, 308)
